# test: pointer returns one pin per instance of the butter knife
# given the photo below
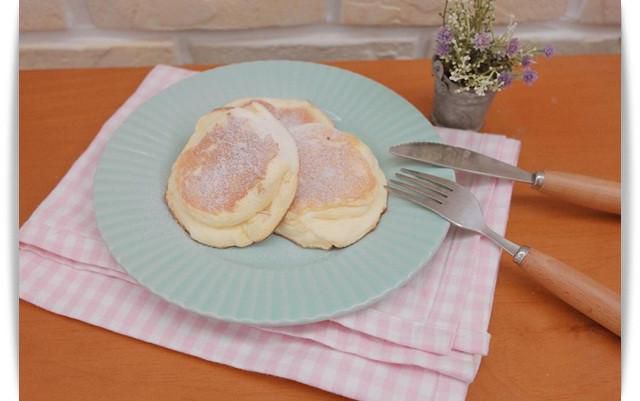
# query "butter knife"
(578, 189)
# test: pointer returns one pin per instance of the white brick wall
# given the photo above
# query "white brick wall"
(88, 33)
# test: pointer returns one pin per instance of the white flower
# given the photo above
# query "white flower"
(477, 70)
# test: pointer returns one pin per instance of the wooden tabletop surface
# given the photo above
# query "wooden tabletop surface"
(540, 349)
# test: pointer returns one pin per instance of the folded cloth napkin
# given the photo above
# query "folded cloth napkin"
(425, 341)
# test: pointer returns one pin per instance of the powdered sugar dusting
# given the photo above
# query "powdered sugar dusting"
(228, 162)
(289, 116)
(331, 169)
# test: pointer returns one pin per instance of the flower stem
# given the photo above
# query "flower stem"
(444, 13)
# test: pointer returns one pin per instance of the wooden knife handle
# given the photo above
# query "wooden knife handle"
(594, 193)
(578, 290)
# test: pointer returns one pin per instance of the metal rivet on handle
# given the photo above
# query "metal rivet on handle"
(538, 179)
(522, 253)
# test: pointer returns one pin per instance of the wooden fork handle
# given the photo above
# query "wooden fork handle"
(591, 192)
(578, 290)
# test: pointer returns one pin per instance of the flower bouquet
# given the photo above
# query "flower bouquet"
(472, 63)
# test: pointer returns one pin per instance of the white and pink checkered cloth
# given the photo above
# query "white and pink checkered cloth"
(423, 342)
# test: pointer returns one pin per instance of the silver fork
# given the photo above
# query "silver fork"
(460, 207)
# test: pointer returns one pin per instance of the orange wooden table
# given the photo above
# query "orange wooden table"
(540, 349)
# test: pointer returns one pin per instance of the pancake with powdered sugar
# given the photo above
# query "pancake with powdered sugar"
(235, 178)
(290, 112)
(341, 193)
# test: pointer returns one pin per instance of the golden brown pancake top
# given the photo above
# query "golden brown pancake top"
(224, 166)
(332, 170)
(288, 116)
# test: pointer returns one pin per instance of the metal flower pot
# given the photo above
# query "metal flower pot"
(463, 110)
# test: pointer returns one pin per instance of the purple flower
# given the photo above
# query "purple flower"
(505, 78)
(512, 47)
(482, 40)
(548, 51)
(442, 49)
(529, 76)
(444, 35)
(527, 61)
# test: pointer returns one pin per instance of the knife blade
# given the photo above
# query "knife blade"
(592, 192)
(461, 159)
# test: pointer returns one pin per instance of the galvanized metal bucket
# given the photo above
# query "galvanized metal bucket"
(463, 110)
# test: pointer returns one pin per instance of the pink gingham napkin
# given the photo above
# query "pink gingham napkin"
(423, 342)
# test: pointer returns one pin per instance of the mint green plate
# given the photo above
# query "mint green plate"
(274, 282)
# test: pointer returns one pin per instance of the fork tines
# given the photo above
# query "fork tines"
(421, 188)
